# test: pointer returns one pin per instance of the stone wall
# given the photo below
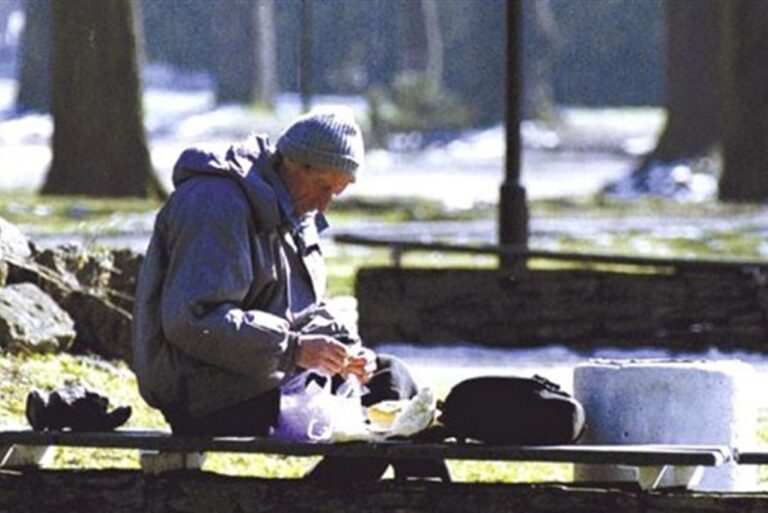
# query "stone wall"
(680, 309)
(124, 491)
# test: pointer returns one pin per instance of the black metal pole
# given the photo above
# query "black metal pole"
(305, 55)
(513, 209)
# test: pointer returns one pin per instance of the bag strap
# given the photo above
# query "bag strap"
(547, 384)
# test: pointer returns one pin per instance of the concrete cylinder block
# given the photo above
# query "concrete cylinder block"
(659, 401)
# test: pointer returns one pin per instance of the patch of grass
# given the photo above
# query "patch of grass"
(597, 207)
(704, 244)
(37, 214)
(34, 213)
(743, 238)
(507, 472)
(21, 374)
(403, 209)
(344, 264)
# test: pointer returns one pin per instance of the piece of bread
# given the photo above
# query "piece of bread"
(382, 414)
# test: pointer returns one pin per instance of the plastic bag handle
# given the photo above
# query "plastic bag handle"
(298, 383)
(351, 387)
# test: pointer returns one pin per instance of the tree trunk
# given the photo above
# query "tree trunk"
(305, 54)
(413, 55)
(34, 66)
(99, 144)
(484, 75)
(435, 53)
(692, 93)
(236, 69)
(266, 85)
(745, 109)
(539, 44)
(423, 45)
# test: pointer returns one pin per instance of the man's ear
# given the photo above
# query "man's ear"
(289, 167)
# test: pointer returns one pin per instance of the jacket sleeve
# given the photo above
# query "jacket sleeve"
(210, 271)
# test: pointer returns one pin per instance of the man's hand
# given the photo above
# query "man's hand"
(322, 353)
(328, 355)
(361, 364)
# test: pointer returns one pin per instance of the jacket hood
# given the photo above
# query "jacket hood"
(247, 163)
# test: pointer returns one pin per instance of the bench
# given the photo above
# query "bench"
(161, 451)
(754, 456)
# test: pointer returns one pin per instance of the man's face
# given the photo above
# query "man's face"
(313, 188)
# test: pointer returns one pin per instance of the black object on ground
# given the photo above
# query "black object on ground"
(73, 407)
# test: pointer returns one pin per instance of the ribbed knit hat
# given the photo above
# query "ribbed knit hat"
(325, 138)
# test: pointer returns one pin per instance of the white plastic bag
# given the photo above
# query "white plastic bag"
(416, 416)
(310, 412)
(302, 415)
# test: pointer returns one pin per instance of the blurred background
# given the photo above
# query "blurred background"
(637, 125)
(640, 123)
(618, 99)
(426, 77)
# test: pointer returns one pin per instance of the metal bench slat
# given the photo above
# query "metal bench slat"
(752, 457)
(152, 440)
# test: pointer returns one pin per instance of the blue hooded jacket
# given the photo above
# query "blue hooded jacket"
(227, 271)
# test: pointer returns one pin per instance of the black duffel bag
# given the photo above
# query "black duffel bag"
(512, 410)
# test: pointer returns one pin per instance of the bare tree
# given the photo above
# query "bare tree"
(99, 144)
(267, 53)
(246, 70)
(540, 39)
(306, 41)
(435, 52)
(423, 48)
(34, 74)
(692, 31)
(745, 106)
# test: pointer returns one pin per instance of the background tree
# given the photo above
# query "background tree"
(305, 60)
(475, 70)
(422, 46)
(245, 63)
(608, 52)
(34, 73)
(380, 63)
(266, 63)
(611, 52)
(692, 32)
(744, 107)
(540, 41)
(179, 33)
(99, 146)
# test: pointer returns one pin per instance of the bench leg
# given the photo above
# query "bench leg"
(17, 456)
(652, 477)
(154, 462)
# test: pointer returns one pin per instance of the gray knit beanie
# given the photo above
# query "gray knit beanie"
(325, 138)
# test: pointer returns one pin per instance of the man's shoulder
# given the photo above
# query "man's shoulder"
(211, 187)
(213, 196)
(208, 195)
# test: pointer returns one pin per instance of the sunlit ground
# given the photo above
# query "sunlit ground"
(648, 228)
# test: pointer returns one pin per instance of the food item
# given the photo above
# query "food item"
(382, 414)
